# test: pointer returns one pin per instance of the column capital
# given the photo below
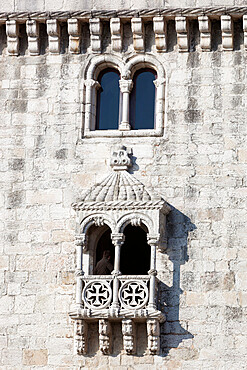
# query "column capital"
(159, 82)
(153, 240)
(81, 240)
(117, 239)
(125, 85)
(92, 83)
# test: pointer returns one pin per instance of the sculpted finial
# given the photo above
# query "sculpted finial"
(120, 160)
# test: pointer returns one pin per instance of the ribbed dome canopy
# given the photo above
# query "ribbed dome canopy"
(118, 186)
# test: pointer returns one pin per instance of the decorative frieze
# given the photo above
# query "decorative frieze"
(105, 337)
(138, 34)
(74, 31)
(205, 33)
(227, 32)
(53, 31)
(12, 30)
(116, 28)
(32, 28)
(116, 34)
(182, 33)
(95, 34)
(129, 336)
(160, 34)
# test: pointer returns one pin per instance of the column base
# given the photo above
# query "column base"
(124, 126)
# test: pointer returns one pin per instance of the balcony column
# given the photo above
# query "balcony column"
(117, 240)
(80, 242)
(152, 241)
(125, 88)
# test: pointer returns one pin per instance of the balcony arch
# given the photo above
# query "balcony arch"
(97, 219)
(135, 219)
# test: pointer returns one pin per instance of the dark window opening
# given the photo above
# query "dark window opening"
(142, 100)
(107, 109)
(135, 252)
(105, 244)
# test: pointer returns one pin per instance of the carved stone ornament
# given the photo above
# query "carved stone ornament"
(80, 334)
(133, 294)
(153, 331)
(105, 342)
(97, 294)
(129, 336)
(119, 200)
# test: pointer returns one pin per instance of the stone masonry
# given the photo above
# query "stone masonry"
(198, 166)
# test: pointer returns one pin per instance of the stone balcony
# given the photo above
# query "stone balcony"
(116, 297)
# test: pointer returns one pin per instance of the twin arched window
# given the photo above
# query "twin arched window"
(127, 106)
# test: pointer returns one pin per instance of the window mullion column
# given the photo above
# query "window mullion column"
(125, 88)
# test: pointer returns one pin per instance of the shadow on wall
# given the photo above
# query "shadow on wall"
(172, 333)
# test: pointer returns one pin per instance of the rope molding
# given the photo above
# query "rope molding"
(128, 13)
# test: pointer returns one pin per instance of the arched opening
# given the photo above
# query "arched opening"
(135, 252)
(142, 99)
(107, 110)
(104, 244)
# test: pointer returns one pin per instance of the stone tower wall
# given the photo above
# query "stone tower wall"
(198, 166)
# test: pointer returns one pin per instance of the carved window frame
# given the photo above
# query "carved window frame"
(127, 71)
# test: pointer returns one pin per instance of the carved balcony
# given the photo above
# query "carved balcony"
(131, 300)
(122, 217)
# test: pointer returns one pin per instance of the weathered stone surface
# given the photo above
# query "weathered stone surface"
(199, 166)
(35, 357)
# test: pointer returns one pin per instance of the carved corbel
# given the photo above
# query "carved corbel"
(32, 28)
(129, 336)
(116, 34)
(227, 32)
(80, 336)
(205, 32)
(12, 31)
(95, 32)
(160, 34)
(105, 336)
(182, 33)
(153, 332)
(138, 34)
(53, 31)
(74, 31)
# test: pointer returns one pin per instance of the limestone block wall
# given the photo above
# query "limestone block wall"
(199, 167)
